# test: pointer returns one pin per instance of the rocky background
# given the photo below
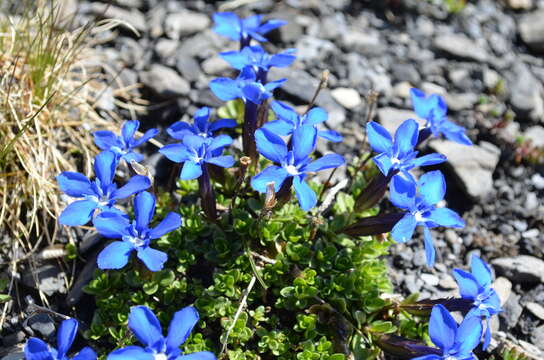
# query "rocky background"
(486, 60)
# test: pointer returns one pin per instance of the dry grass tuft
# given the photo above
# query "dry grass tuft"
(46, 110)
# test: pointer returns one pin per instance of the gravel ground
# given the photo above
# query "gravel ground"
(487, 61)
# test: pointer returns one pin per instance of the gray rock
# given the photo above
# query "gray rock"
(430, 279)
(503, 287)
(512, 311)
(519, 4)
(461, 47)
(179, 24)
(16, 355)
(447, 282)
(473, 165)
(538, 181)
(188, 67)
(536, 309)
(536, 135)
(391, 118)
(43, 324)
(133, 17)
(522, 269)
(531, 30)
(166, 48)
(312, 48)
(458, 102)
(131, 52)
(525, 93)
(347, 97)
(405, 72)
(215, 66)
(47, 278)
(368, 43)
(537, 337)
(164, 81)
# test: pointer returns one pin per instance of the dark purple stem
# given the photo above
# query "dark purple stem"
(248, 131)
(207, 194)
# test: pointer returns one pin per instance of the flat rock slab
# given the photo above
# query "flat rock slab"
(460, 46)
(522, 269)
(391, 118)
(472, 165)
(531, 30)
(164, 81)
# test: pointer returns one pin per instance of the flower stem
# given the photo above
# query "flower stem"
(207, 194)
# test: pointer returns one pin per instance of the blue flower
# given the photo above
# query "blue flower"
(122, 145)
(245, 87)
(398, 155)
(476, 286)
(36, 349)
(455, 342)
(421, 209)
(201, 127)
(102, 193)
(135, 235)
(195, 151)
(256, 57)
(230, 25)
(289, 120)
(294, 164)
(147, 328)
(433, 108)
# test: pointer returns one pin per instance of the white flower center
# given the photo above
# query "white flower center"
(418, 216)
(395, 161)
(291, 170)
(197, 159)
(160, 356)
(136, 241)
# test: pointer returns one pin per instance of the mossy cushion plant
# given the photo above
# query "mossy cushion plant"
(260, 272)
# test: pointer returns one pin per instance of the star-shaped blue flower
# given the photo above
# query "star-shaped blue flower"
(230, 25)
(296, 163)
(201, 127)
(195, 151)
(433, 108)
(399, 155)
(455, 342)
(476, 286)
(135, 235)
(102, 193)
(36, 349)
(419, 200)
(123, 145)
(147, 329)
(289, 120)
(245, 87)
(256, 57)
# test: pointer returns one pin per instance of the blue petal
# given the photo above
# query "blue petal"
(430, 253)
(282, 60)
(227, 24)
(487, 336)
(379, 138)
(404, 229)
(115, 255)
(171, 222)
(201, 117)
(175, 152)
(270, 25)
(305, 195)
(201, 355)
(442, 328)
(468, 336)
(252, 22)
(111, 225)
(430, 159)
(225, 89)
(225, 161)
(402, 193)
(145, 325)
(481, 271)
(383, 162)
(144, 208)
(219, 142)
(179, 129)
(279, 127)
(272, 85)
(194, 141)
(36, 349)
(330, 135)
(285, 112)
(130, 353)
(304, 141)
(104, 167)
(236, 59)
(326, 162)
(432, 187)
(136, 184)
(128, 130)
(132, 156)
(85, 354)
(191, 170)
(454, 132)
(106, 139)
(181, 326)
(146, 136)
(422, 105)
(153, 259)
(428, 357)
(274, 174)
(316, 116)
(446, 217)
(222, 123)
(406, 137)
(65, 336)
(74, 184)
(270, 145)
(78, 213)
(468, 285)
(255, 92)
